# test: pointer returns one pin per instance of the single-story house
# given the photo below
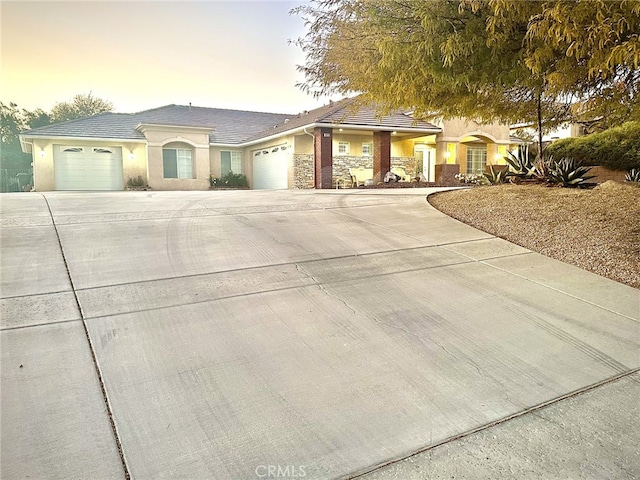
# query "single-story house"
(179, 147)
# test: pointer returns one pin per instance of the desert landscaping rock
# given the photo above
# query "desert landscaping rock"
(596, 229)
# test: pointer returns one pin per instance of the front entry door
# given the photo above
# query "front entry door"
(427, 155)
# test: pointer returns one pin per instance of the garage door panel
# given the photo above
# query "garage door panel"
(270, 169)
(88, 168)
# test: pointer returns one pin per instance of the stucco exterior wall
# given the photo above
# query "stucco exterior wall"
(457, 128)
(303, 144)
(43, 169)
(133, 160)
(194, 138)
(355, 142)
(402, 147)
(215, 160)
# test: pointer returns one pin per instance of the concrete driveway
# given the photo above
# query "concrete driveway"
(302, 334)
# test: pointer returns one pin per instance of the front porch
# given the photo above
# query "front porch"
(438, 157)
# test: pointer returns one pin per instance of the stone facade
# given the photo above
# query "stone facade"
(408, 163)
(303, 170)
(303, 167)
(342, 164)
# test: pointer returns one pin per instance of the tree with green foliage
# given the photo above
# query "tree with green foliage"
(13, 161)
(82, 105)
(593, 48)
(481, 59)
(13, 121)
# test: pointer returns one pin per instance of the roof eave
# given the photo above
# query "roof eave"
(382, 128)
(24, 137)
(375, 128)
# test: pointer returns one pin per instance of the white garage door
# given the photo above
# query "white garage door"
(87, 168)
(270, 168)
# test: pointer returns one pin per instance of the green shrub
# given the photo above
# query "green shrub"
(229, 180)
(136, 181)
(617, 148)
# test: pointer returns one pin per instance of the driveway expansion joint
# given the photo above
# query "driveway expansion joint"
(91, 348)
(528, 411)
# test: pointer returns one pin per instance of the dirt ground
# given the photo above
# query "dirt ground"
(596, 229)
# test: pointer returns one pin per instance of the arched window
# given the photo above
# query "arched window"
(177, 160)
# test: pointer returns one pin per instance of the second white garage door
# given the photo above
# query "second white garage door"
(87, 168)
(270, 168)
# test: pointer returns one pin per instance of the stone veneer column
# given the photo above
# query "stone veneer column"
(381, 155)
(323, 153)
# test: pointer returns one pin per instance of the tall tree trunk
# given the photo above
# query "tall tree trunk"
(539, 112)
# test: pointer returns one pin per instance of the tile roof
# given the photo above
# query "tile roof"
(103, 125)
(348, 112)
(227, 126)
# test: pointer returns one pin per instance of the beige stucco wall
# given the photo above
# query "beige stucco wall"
(456, 129)
(134, 162)
(195, 138)
(215, 161)
(355, 142)
(43, 170)
(402, 147)
(458, 134)
(133, 159)
(303, 144)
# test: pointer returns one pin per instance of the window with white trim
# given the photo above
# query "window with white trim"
(230, 161)
(367, 149)
(343, 148)
(177, 163)
(72, 149)
(476, 160)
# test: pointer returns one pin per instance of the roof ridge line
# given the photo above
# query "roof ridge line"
(211, 108)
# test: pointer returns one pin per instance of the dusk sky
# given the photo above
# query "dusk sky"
(140, 55)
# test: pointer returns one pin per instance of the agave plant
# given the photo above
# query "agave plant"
(632, 175)
(521, 165)
(569, 173)
(495, 176)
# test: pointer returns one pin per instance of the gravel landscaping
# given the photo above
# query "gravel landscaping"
(596, 229)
